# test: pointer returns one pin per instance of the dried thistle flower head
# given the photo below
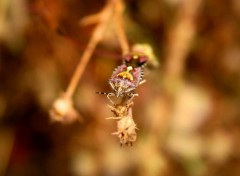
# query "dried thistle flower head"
(63, 111)
(120, 110)
(126, 130)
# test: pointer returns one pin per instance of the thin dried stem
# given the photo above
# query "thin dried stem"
(95, 39)
(119, 27)
(105, 17)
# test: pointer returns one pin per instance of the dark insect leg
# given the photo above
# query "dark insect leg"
(108, 95)
(103, 93)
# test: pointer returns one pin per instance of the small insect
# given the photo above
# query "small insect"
(135, 59)
(124, 81)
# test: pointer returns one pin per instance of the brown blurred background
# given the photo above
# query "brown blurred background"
(187, 112)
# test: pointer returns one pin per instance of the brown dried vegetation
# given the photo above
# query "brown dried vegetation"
(185, 120)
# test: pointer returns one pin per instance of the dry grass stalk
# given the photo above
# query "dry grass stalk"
(58, 113)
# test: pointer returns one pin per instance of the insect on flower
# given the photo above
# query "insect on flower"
(124, 81)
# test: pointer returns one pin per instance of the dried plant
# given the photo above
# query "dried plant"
(126, 127)
(103, 19)
(63, 111)
(120, 110)
(124, 80)
(187, 112)
(126, 130)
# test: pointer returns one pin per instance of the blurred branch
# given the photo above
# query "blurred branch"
(63, 107)
(180, 40)
(97, 35)
(120, 28)
(103, 18)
